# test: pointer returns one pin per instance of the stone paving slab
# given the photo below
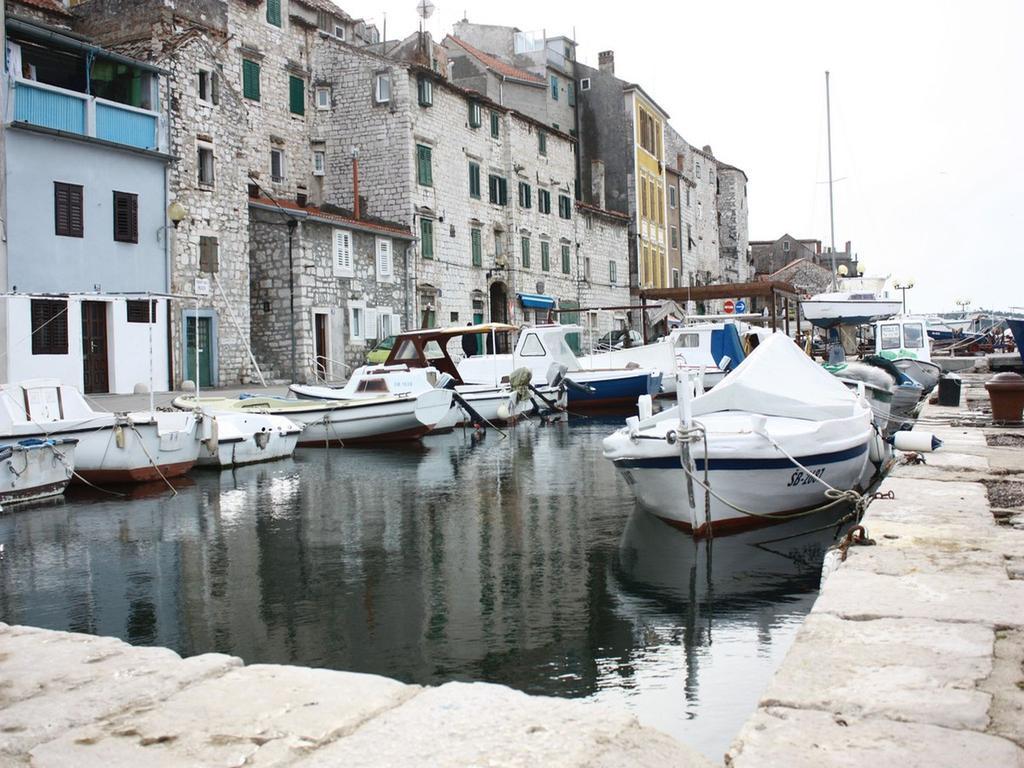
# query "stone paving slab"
(778, 737)
(51, 682)
(920, 671)
(947, 465)
(478, 724)
(260, 715)
(933, 503)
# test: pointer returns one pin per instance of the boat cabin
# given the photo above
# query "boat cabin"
(902, 337)
(428, 347)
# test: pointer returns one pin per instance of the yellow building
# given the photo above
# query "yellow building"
(649, 122)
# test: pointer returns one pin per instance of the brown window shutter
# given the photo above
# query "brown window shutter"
(61, 209)
(126, 217)
(76, 217)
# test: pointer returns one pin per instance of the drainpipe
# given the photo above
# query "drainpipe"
(292, 224)
(355, 182)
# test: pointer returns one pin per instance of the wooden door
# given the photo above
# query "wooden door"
(320, 344)
(96, 375)
(203, 339)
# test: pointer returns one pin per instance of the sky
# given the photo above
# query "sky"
(927, 117)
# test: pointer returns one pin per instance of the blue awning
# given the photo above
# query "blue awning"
(536, 301)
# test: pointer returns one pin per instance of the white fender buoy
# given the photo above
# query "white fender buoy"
(213, 441)
(504, 413)
(922, 442)
(877, 449)
(645, 407)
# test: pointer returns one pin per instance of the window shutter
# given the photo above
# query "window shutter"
(61, 209)
(427, 238)
(214, 87)
(424, 172)
(370, 323)
(342, 253)
(126, 217)
(396, 324)
(274, 12)
(474, 180)
(477, 249)
(296, 95)
(384, 258)
(250, 79)
(502, 190)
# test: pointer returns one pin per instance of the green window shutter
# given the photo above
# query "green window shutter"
(545, 256)
(425, 91)
(424, 172)
(554, 87)
(611, 272)
(250, 79)
(296, 95)
(526, 252)
(427, 238)
(543, 201)
(542, 142)
(502, 191)
(571, 93)
(495, 125)
(524, 195)
(474, 114)
(478, 258)
(474, 180)
(274, 12)
(565, 259)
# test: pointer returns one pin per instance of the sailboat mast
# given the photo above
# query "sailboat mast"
(831, 204)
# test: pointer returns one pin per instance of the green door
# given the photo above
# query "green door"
(205, 355)
(478, 318)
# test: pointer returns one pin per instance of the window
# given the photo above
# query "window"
(913, 336)
(277, 165)
(208, 254)
(564, 207)
(890, 336)
(49, 327)
(474, 180)
(643, 197)
(140, 311)
(205, 164)
(525, 244)
(570, 93)
(554, 87)
(700, 211)
(126, 217)
(532, 347)
(542, 142)
(319, 162)
(424, 172)
(427, 238)
(785, 246)
(648, 132)
(250, 79)
(69, 219)
(585, 84)
(208, 86)
(424, 90)
(474, 114)
(356, 323)
(339, 31)
(586, 268)
(675, 278)
(612, 272)
(342, 253)
(274, 12)
(495, 124)
(687, 197)
(477, 248)
(385, 259)
(689, 238)
(498, 189)
(323, 98)
(525, 195)
(672, 196)
(545, 255)
(698, 170)
(382, 88)
(566, 259)
(674, 236)
(296, 95)
(543, 201)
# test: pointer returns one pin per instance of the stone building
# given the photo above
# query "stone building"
(673, 182)
(769, 256)
(733, 229)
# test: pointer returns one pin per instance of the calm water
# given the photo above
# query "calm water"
(520, 561)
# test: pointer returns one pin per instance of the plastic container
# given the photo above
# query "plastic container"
(949, 391)
(1006, 391)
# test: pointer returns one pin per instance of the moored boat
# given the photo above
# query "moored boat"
(35, 468)
(234, 439)
(903, 341)
(769, 442)
(828, 310)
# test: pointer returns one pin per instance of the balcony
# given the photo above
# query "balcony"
(79, 113)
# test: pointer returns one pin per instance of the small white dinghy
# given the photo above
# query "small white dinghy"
(112, 447)
(769, 441)
(234, 439)
(35, 468)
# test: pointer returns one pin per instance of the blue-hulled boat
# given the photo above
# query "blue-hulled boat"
(1017, 329)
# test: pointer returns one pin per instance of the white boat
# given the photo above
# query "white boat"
(34, 469)
(495, 399)
(132, 447)
(827, 310)
(904, 341)
(777, 406)
(338, 423)
(540, 347)
(234, 439)
(875, 384)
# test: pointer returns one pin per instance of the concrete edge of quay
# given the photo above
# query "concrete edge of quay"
(913, 654)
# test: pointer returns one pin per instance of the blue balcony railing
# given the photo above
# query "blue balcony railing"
(73, 112)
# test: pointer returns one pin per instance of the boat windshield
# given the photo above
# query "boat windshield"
(890, 336)
(913, 336)
(688, 341)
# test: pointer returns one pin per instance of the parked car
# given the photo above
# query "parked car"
(379, 353)
(618, 339)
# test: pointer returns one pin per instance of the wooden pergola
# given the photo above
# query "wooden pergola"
(772, 290)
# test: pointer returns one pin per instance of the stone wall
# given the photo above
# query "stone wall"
(732, 231)
(701, 167)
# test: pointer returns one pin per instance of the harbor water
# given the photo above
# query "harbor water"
(519, 560)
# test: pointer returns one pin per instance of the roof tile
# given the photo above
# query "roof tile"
(496, 64)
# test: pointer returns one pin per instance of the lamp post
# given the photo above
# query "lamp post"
(964, 304)
(904, 286)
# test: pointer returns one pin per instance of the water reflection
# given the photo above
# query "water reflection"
(517, 560)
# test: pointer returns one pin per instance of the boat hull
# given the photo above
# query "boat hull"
(923, 372)
(36, 470)
(612, 388)
(247, 439)
(828, 314)
(1017, 329)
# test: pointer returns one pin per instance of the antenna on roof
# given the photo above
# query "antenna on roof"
(425, 9)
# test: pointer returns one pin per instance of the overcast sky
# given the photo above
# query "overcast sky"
(927, 117)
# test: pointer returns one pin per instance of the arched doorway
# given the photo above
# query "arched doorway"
(499, 314)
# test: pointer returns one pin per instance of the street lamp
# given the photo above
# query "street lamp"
(964, 304)
(904, 286)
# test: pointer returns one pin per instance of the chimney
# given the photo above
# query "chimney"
(606, 62)
(597, 183)
(848, 249)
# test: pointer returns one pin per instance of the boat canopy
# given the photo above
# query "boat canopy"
(458, 330)
(536, 301)
(778, 379)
